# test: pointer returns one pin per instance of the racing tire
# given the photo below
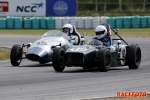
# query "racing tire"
(65, 47)
(58, 59)
(104, 60)
(134, 56)
(16, 55)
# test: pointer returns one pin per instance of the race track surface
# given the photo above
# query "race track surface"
(34, 81)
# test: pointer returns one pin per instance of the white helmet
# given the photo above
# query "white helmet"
(67, 28)
(100, 31)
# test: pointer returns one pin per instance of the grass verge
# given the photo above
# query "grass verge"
(4, 54)
(136, 32)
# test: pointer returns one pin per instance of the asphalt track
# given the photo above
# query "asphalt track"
(33, 81)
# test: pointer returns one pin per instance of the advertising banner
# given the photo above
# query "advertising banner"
(3, 6)
(61, 8)
(23, 8)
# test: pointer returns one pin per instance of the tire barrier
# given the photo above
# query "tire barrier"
(88, 21)
(103, 19)
(80, 22)
(2, 23)
(58, 22)
(73, 21)
(112, 21)
(50, 23)
(11, 22)
(35, 23)
(95, 21)
(27, 22)
(43, 24)
(148, 21)
(119, 22)
(65, 20)
(135, 21)
(143, 22)
(18, 22)
(127, 22)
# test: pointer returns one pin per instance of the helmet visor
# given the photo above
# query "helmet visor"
(100, 32)
(66, 30)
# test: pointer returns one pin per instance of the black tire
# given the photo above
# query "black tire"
(104, 60)
(65, 47)
(134, 56)
(16, 55)
(58, 59)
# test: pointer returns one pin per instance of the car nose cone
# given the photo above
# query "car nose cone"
(37, 54)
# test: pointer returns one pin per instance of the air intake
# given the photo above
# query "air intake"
(74, 58)
(32, 57)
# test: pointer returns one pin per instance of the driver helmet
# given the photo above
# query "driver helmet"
(100, 31)
(67, 28)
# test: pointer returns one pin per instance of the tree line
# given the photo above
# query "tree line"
(113, 5)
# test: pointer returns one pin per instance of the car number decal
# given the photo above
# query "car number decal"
(78, 49)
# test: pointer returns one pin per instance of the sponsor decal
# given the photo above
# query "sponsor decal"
(78, 49)
(131, 94)
(29, 8)
(3, 6)
(60, 7)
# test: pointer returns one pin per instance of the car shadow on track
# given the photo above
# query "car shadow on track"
(92, 70)
(35, 65)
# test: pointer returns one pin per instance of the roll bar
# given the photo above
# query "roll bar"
(116, 33)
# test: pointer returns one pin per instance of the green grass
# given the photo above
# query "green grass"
(140, 32)
(23, 31)
(4, 54)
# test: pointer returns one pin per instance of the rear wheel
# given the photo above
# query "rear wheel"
(134, 56)
(16, 55)
(104, 60)
(58, 59)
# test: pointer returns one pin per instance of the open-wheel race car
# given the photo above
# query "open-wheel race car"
(97, 55)
(41, 50)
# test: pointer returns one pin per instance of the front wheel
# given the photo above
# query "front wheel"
(16, 55)
(104, 60)
(58, 59)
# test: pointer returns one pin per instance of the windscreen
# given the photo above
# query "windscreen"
(56, 33)
(94, 42)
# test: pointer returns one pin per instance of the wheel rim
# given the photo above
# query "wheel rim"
(61, 60)
(107, 59)
(19, 55)
(138, 56)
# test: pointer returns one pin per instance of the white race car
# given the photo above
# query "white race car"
(41, 50)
